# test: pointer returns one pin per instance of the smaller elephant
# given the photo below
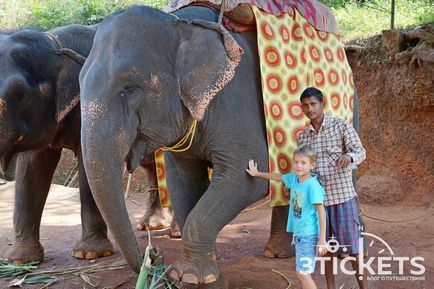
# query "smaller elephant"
(40, 116)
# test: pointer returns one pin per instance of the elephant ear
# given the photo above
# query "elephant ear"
(206, 62)
(67, 88)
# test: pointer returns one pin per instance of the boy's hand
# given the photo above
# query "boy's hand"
(253, 168)
(322, 247)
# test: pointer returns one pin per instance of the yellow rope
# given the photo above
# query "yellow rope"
(177, 147)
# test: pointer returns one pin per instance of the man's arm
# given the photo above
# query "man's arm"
(253, 171)
(353, 144)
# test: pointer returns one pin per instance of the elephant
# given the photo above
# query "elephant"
(147, 87)
(39, 116)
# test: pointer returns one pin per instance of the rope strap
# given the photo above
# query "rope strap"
(177, 148)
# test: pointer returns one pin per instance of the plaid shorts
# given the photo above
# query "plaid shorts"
(343, 226)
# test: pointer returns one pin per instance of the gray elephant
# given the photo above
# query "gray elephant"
(146, 87)
(39, 116)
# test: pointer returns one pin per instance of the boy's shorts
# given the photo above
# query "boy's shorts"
(344, 226)
(305, 253)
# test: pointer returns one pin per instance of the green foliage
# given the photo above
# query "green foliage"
(362, 18)
(47, 14)
(356, 18)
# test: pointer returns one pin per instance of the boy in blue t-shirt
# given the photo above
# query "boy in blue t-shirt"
(307, 219)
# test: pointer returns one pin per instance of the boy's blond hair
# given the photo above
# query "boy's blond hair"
(307, 151)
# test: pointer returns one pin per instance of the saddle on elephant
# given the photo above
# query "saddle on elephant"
(299, 46)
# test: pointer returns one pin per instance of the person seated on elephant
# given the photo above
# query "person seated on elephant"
(338, 148)
(306, 219)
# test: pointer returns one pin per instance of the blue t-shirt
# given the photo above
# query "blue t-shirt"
(303, 217)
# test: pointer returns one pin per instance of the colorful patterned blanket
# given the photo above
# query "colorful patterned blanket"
(293, 55)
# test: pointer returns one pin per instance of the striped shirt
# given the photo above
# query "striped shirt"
(334, 138)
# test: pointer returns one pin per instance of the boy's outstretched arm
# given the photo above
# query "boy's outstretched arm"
(253, 171)
(322, 244)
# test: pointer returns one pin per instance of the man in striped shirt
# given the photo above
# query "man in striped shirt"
(338, 149)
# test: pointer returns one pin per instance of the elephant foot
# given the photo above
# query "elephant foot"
(25, 253)
(279, 248)
(90, 248)
(158, 221)
(195, 269)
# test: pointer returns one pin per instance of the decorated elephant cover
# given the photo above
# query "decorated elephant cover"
(293, 56)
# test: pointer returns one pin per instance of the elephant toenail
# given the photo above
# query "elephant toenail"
(189, 278)
(18, 262)
(78, 255)
(91, 255)
(141, 227)
(174, 275)
(209, 279)
(107, 253)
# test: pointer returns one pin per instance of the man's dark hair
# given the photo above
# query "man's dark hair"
(311, 91)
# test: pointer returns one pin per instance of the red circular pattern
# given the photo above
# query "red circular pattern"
(333, 77)
(322, 35)
(161, 173)
(351, 79)
(267, 30)
(295, 110)
(341, 54)
(276, 110)
(283, 163)
(279, 137)
(344, 77)
(351, 102)
(290, 60)
(272, 192)
(293, 85)
(335, 101)
(345, 100)
(296, 132)
(328, 54)
(319, 77)
(296, 32)
(314, 53)
(272, 56)
(163, 195)
(286, 36)
(303, 55)
(309, 31)
(274, 84)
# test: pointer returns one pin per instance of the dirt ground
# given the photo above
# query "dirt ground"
(239, 245)
(395, 186)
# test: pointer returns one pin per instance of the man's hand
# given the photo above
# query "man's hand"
(343, 161)
(253, 168)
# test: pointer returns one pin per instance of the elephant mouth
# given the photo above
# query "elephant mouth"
(5, 159)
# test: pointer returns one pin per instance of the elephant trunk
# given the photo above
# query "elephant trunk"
(104, 163)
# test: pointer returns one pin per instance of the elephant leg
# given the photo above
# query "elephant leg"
(94, 242)
(222, 202)
(279, 243)
(31, 189)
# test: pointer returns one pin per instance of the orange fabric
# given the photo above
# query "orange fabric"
(293, 56)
